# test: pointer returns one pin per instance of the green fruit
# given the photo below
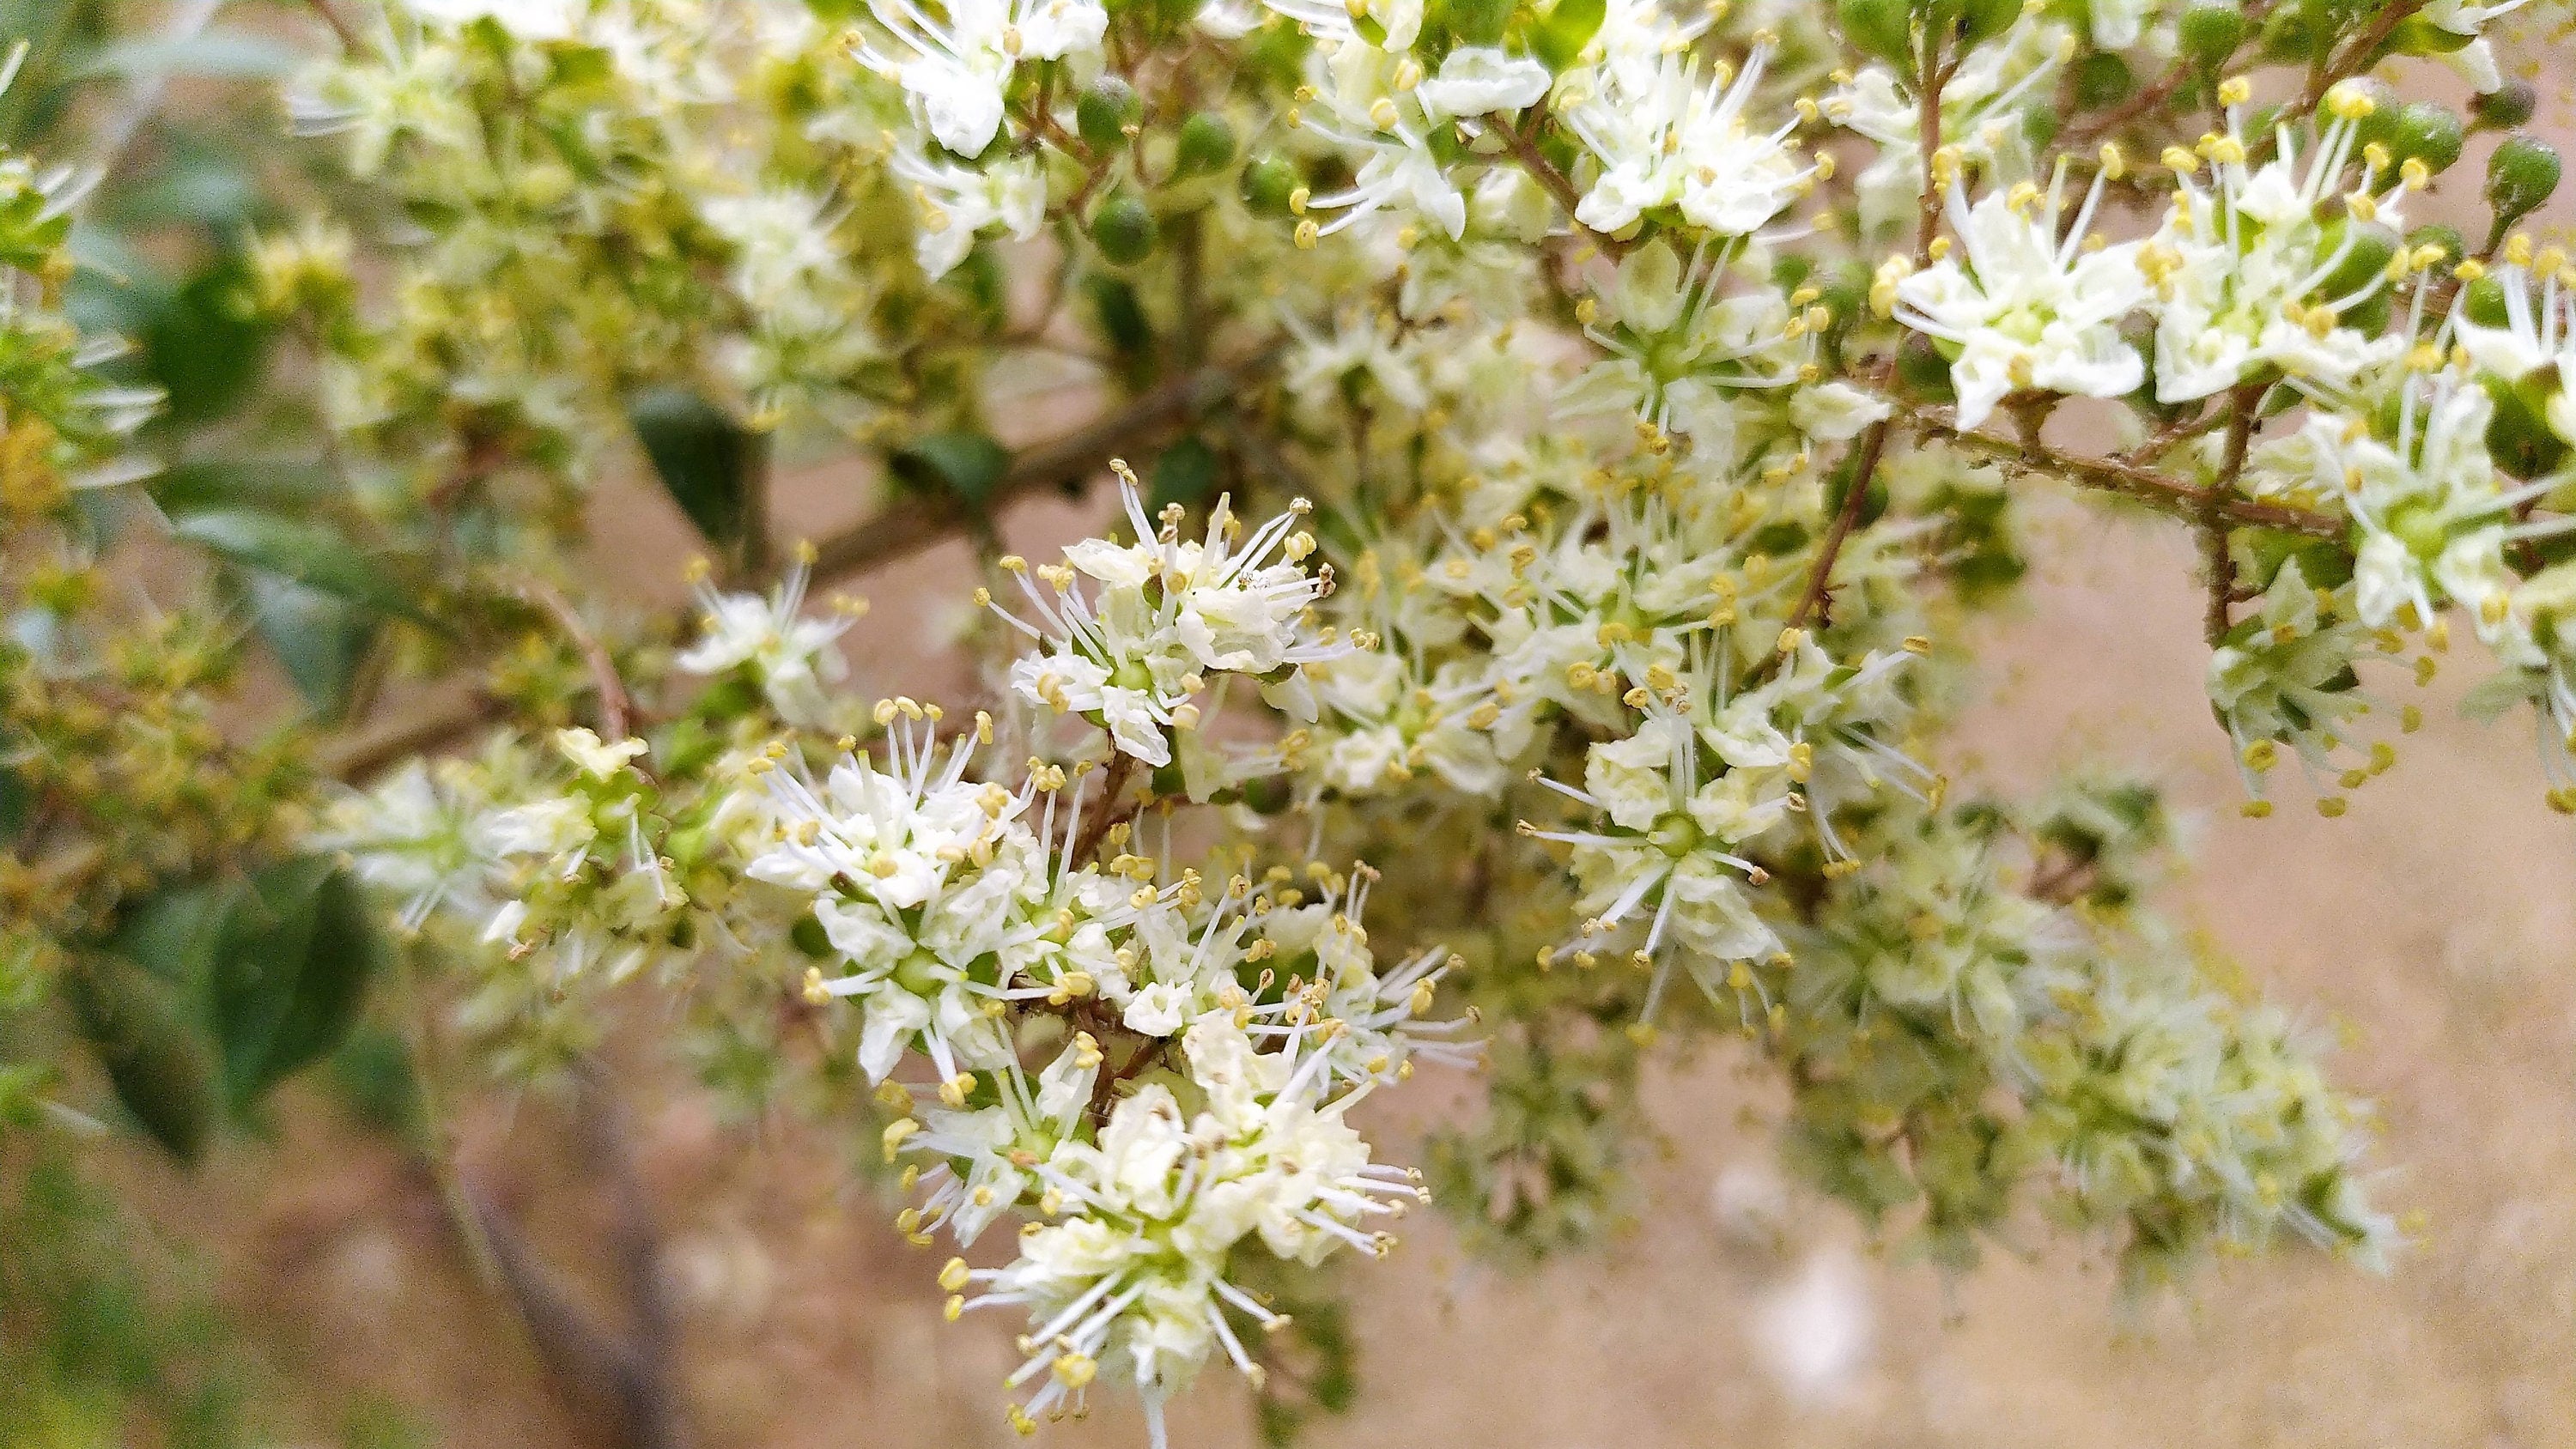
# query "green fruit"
(2381, 124)
(2210, 33)
(1207, 144)
(2429, 133)
(2520, 176)
(2366, 248)
(2506, 107)
(2482, 302)
(1879, 29)
(1269, 182)
(1123, 229)
(1105, 112)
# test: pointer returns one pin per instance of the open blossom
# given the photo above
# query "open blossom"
(791, 657)
(958, 203)
(2027, 307)
(2243, 255)
(1664, 136)
(955, 72)
(1129, 1278)
(1162, 614)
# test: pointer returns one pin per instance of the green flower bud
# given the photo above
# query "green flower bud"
(2371, 245)
(1207, 144)
(2520, 176)
(1105, 112)
(1123, 229)
(2210, 33)
(2429, 133)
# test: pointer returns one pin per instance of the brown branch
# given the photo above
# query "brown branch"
(1122, 767)
(903, 527)
(1929, 82)
(1535, 162)
(2113, 475)
(1846, 518)
(616, 707)
(2214, 531)
(339, 27)
(593, 1366)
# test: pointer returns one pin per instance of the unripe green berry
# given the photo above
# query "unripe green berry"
(2520, 176)
(1207, 144)
(2506, 107)
(2433, 233)
(1269, 182)
(1123, 229)
(1105, 112)
(2482, 302)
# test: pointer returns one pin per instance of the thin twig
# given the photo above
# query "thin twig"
(339, 27)
(2146, 485)
(1813, 599)
(616, 708)
(2214, 531)
(1122, 768)
(1535, 162)
(1929, 83)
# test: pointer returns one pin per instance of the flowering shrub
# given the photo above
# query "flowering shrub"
(1574, 437)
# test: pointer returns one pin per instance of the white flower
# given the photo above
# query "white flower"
(2237, 260)
(526, 19)
(792, 658)
(2028, 309)
(955, 74)
(1475, 79)
(958, 203)
(1665, 139)
(595, 759)
(1164, 612)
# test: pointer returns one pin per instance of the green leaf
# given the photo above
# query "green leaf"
(193, 183)
(318, 638)
(290, 973)
(311, 553)
(202, 345)
(159, 1065)
(1559, 37)
(709, 463)
(277, 485)
(173, 932)
(17, 802)
(963, 465)
(209, 54)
